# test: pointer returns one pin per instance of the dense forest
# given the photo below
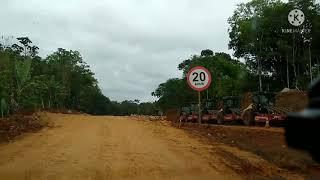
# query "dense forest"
(265, 57)
(61, 81)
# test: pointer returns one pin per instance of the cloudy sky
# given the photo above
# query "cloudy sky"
(132, 46)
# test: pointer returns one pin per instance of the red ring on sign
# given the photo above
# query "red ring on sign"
(209, 80)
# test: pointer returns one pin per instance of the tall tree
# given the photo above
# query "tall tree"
(62, 80)
(256, 35)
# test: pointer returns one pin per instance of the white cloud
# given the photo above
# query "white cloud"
(132, 46)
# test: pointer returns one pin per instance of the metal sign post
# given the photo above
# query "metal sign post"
(199, 79)
(199, 106)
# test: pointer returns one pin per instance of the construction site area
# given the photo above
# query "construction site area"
(258, 108)
(232, 137)
(160, 90)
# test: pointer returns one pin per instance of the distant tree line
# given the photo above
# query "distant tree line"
(134, 107)
(270, 59)
(62, 80)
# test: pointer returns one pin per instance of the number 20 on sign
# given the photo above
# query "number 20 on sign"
(199, 79)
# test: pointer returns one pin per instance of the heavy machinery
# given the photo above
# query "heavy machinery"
(261, 109)
(210, 110)
(184, 113)
(217, 110)
(194, 113)
(257, 107)
(189, 113)
(230, 110)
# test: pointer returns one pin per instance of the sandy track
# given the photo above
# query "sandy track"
(88, 147)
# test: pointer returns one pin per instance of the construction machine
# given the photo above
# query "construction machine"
(184, 113)
(230, 109)
(210, 110)
(189, 113)
(261, 109)
(194, 115)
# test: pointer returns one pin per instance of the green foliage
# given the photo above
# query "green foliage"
(60, 81)
(148, 108)
(22, 73)
(229, 77)
(206, 52)
(256, 36)
(256, 33)
(227, 74)
(173, 93)
(129, 107)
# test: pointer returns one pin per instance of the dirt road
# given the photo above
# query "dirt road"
(87, 147)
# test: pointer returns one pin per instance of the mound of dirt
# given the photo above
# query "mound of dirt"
(172, 115)
(269, 144)
(291, 100)
(22, 123)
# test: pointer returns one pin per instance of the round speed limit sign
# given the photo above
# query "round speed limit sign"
(199, 78)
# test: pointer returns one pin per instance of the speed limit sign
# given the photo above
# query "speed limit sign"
(199, 78)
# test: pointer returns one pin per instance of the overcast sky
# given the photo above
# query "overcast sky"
(132, 46)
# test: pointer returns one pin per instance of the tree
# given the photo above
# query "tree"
(62, 80)
(256, 35)
(22, 77)
(173, 94)
(3, 107)
(74, 74)
(206, 52)
(6, 82)
(229, 78)
(148, 108)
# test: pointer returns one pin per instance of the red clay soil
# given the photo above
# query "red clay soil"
(268, 143)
